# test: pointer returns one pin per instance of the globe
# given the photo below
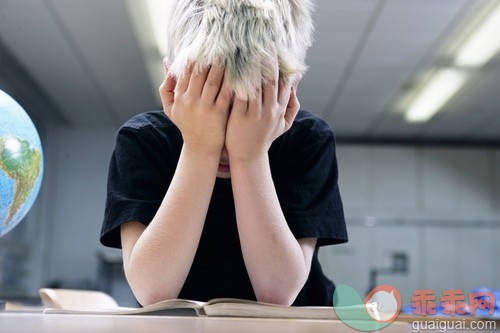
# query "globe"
(21, 163)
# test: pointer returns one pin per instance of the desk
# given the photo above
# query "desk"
(16, 322)
(11, 322)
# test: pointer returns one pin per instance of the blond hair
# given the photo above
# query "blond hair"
(244, 36)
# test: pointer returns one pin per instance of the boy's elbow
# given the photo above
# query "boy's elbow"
(148, 292)
(283, 293)
(278, 295)
(278, 298)
(147, 297)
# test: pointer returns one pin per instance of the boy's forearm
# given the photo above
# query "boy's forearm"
(162, 256)
(273, 257)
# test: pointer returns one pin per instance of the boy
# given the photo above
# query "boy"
(230, 190)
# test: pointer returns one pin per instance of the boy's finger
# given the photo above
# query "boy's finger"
(255, 104)
(292, 108)
(184, 77)
(198, 79)
(284, 93)
(170, 80)
(224, 98)
(166, 90)
(214, 83)
(270, 87)
(240, 107)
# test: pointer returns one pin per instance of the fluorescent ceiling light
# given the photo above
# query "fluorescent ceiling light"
(158, 14)
(441, 87)
(483, 44)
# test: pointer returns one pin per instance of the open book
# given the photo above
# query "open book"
(221, 307)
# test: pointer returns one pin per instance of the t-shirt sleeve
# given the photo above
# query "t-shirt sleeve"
(136, 183)
(308, 185)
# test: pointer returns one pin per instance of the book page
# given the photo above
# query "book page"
(174, 307)
(245, 308)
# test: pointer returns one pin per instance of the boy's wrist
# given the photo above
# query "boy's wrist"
(258, 162)
(200, 156)
(202, 152)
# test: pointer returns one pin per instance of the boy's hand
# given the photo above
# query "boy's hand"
(254, 125)
(198, 104)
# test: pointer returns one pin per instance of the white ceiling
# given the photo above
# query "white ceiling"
(90, 61)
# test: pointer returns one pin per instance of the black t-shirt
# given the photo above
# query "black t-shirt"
(304, 170)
